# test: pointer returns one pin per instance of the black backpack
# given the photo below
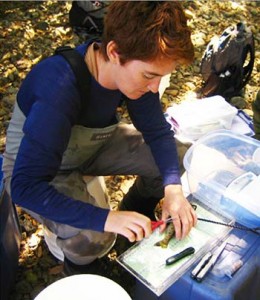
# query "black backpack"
(86, 18)
(228, 62)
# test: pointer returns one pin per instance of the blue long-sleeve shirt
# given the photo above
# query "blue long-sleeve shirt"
(50, 100)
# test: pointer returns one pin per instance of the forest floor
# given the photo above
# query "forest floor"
(30, 31)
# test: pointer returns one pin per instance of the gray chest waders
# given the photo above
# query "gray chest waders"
(80, 246)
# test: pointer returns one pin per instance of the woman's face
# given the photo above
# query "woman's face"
(136, 77)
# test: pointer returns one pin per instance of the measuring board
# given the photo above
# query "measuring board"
(147, 261)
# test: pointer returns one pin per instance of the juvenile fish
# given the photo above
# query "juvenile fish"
(169, 233)
(170, 230)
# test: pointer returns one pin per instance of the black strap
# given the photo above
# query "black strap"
(247, 70)
(80, 71)
(83, 77)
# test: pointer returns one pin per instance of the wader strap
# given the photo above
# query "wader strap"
(81, 72)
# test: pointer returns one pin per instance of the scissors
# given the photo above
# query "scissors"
(156, 224)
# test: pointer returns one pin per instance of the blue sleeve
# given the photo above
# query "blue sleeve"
(37, 163)
(47, 131)
(147, 116)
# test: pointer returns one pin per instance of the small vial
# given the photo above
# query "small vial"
(236, 266)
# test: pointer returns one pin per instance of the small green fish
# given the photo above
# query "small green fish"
(170, 230)
(169, 233)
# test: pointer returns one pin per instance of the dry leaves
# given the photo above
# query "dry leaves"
(30, 31)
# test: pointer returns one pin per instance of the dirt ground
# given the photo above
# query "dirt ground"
(30, 31)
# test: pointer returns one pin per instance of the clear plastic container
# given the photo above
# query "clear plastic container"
(223, 170)
(193, 119)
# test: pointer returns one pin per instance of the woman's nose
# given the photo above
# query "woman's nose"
(153, 86)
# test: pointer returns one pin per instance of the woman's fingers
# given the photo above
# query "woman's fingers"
(183, 215)
(132, 225)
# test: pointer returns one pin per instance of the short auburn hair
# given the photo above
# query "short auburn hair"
(146, 30)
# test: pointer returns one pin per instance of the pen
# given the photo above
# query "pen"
(180, 255)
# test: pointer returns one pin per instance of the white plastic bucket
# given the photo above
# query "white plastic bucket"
(84, 287)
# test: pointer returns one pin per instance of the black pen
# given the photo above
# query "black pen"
(180, 255)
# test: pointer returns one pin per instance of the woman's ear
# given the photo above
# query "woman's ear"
(112, 53)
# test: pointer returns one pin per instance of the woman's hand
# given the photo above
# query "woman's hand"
(132, 225)
(179, 208)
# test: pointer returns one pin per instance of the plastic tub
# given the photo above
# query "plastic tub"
(223, 170)
(244, 283)
(193, 119)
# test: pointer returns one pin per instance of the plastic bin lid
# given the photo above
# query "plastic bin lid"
(222, 140)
